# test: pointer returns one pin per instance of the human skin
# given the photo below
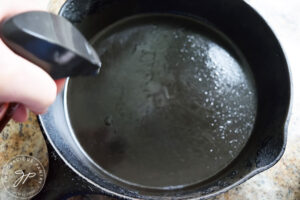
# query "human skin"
(22, 81)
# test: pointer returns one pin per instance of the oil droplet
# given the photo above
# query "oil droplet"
(108, 121)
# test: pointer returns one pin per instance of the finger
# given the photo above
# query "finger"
(21, 114)
(60, 84)
(24, 82)
(10, 8)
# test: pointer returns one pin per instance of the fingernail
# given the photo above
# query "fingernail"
(2, 107)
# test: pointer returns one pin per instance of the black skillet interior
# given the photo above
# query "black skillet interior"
(254, 39)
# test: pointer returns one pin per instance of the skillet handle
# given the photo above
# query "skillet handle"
(62, 182)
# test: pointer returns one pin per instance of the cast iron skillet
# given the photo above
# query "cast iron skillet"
(254, 39)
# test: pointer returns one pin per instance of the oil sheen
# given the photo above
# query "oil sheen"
(174, 104)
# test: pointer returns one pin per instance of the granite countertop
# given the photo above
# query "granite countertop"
(281, 182)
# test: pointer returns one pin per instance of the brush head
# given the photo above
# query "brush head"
(52, 43)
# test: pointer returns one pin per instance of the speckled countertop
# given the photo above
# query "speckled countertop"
(281, 182)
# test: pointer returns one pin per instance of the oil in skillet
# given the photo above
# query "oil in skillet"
(174, 104)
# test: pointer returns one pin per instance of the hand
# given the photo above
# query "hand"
(20, 80)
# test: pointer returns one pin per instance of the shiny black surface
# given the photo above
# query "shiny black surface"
(52, 43)
(254, 39)
(173, 106)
